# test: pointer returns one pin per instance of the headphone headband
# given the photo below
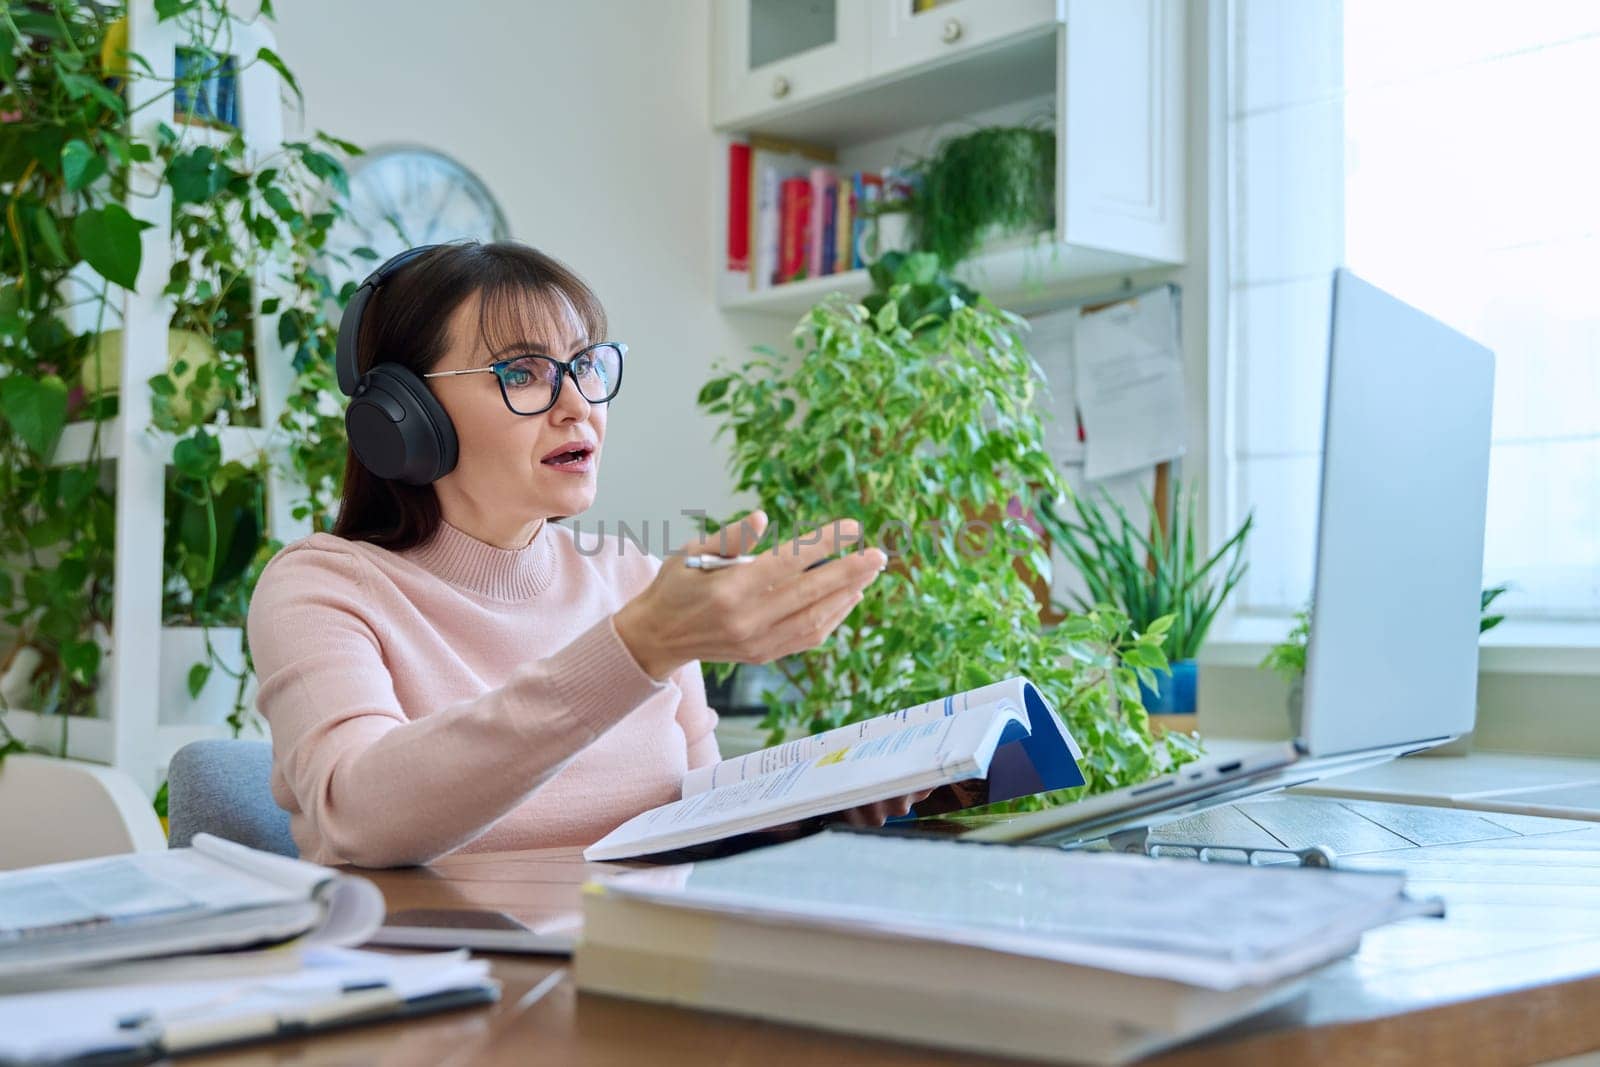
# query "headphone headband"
(345, 352)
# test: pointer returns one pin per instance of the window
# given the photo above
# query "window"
(1442, 150)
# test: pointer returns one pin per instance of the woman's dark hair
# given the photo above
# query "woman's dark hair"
(407, 323)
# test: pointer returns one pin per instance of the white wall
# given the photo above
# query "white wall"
(589, 122)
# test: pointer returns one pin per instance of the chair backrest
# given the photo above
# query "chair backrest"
(54, 810)
(221, 787)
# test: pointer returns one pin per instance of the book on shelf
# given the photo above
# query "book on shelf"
(822, 179)
(982, 746)
(738, 207)
(1005, 950)
(843, 227)
(795, 224)
(214, 895)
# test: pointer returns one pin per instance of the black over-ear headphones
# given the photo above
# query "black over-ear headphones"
(397, 427)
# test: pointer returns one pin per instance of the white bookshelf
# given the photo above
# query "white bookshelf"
(129, 733)
(895, 82)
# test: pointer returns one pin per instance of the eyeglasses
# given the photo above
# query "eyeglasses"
(531, 384)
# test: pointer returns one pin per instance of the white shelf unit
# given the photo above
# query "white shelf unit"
(129, 733)
(1110, 74)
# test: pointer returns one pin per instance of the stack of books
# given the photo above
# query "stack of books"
(793, 214)
(1001, 949)
(133, 957)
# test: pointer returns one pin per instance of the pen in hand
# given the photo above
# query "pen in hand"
(708, 562)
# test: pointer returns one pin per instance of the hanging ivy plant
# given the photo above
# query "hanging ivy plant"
(70, 241)
(996, 178)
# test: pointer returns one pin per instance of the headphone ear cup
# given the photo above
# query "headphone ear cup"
(398, 429)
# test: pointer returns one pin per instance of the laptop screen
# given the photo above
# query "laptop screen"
(1393, 652)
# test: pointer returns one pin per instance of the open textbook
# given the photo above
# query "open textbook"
(213, 895)
(985, 745)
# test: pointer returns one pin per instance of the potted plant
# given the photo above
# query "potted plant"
(74, 245)
(994, 180)
(911, 412)
(1151, 575)
(1288, 659)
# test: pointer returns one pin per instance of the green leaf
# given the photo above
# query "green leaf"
(108, 237)
(36, 409)
(270, 58)
(196, 177)
(198, 455)
(80, 164)
(44, 221)
(82, 659)
(198, 674)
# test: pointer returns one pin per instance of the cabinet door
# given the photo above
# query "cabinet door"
(910, 33)
(771, 53)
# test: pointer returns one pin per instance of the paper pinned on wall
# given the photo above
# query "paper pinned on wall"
(1050, 342)
(1129, 381)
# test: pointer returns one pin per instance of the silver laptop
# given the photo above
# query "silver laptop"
(1392, 664)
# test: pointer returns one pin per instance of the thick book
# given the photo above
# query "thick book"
(1007, 950)
(214, 895)
(989, 744)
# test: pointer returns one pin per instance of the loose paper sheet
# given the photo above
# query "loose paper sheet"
(1129, 377)
(1050, 341)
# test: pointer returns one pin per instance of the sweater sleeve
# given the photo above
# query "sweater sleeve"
(695, 716)
(351, 762)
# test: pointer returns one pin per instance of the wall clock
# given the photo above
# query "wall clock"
(406, 195)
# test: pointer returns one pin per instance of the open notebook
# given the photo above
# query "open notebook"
(989, 744)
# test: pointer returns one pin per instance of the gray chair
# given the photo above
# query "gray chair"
(221, 788)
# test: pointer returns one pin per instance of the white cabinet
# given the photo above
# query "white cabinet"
(909, 33)
(768, 53)
(1110, 75)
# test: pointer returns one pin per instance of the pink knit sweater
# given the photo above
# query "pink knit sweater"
(463, 696)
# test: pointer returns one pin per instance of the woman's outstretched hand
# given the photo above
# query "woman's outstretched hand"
(752, 613)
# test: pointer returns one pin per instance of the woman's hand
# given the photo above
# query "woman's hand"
(752, 613)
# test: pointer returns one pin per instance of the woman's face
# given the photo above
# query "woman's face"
(508, 471)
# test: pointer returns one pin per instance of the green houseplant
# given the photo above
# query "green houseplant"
(1151, 574)
(911, 413)
(69, 247)
(994, 179)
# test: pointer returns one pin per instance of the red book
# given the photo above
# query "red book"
(739, 206)
(795, 226)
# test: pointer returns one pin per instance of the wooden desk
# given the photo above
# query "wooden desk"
(1511, 976)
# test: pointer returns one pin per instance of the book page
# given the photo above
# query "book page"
(64, 898)
(930, 753)
(767, 760)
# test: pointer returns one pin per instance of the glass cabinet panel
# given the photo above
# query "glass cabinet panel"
(783, 28)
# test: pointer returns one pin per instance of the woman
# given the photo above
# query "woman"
(448, 669)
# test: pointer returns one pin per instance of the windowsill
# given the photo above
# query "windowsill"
(1514, 647)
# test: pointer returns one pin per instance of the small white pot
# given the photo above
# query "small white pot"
(893, 232)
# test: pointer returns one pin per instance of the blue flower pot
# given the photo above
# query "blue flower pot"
(1175, 692)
